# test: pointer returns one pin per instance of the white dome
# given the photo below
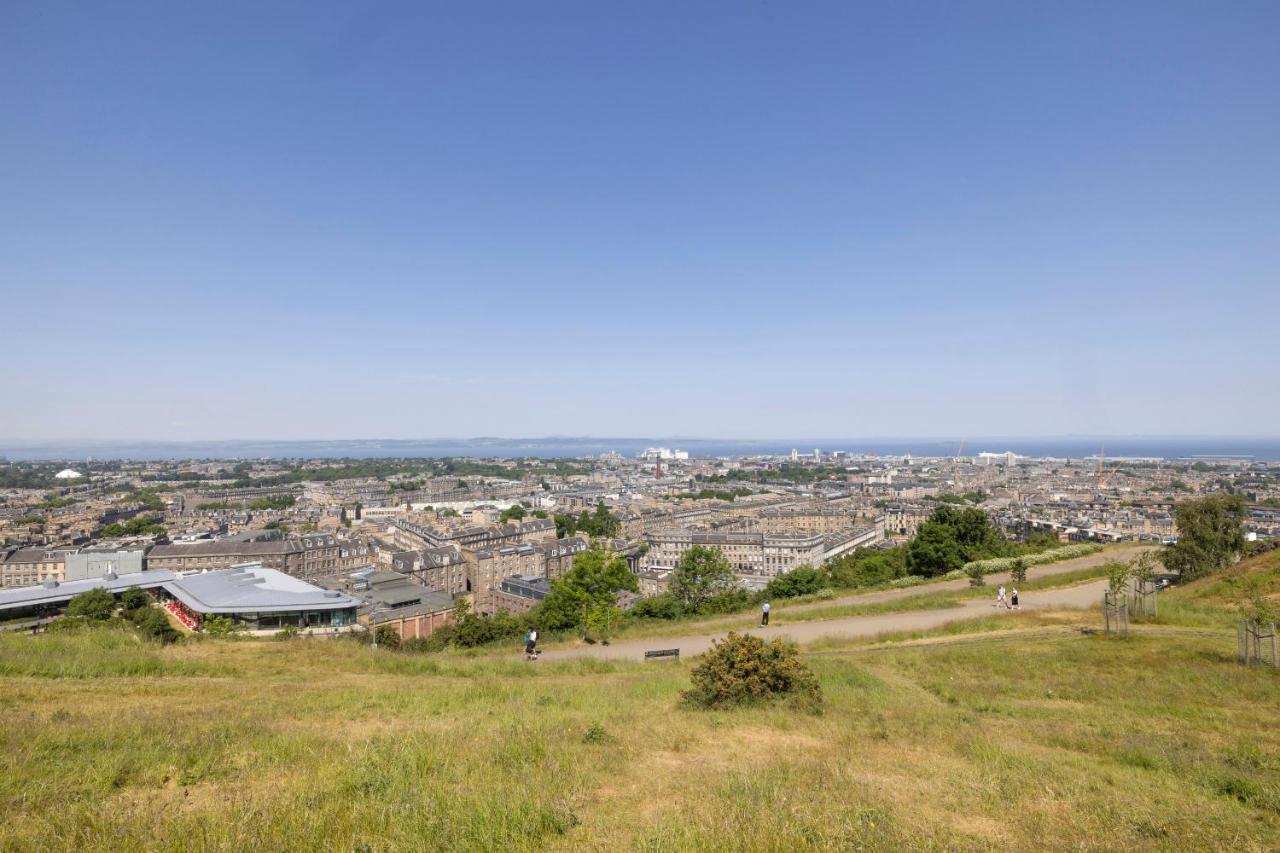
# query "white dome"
(67, 474)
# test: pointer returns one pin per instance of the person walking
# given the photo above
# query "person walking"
(1013, 599)
(531, 644)
(1000, 598)
(764, 615)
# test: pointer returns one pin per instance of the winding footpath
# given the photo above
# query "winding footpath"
(701, 635)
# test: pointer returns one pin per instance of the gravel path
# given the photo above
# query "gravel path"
(1084, 595)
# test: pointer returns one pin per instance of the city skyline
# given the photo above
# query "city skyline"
(303, 222)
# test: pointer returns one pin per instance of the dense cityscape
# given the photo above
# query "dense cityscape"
(404, 540)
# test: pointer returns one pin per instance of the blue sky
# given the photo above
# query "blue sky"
(719, 219)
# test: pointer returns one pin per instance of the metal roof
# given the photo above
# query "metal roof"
(52, 592)
(253, 588)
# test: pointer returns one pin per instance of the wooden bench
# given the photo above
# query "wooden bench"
(659, 654)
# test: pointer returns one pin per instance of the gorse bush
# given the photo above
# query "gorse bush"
(743, 669)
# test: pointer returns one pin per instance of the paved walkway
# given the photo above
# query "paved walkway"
(1084, 595)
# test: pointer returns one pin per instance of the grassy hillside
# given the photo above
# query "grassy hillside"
(1038, 737)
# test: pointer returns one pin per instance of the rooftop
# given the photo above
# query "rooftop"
(252, 587)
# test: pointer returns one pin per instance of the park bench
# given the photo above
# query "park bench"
(659, 654)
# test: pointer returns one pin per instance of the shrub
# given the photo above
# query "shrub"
(1004, 564)
(219, 626)
(132, 599)
(387, 637)
(662, 606)
(96, 604)
(154, 624)
(288, 632)
(416, 645)
(803, 580)
(743, 669)
(974, 571)
(1018, 571)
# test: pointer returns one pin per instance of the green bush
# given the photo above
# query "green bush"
(132, 599)
(662, 606)
(152, 623)
(96, 604)
(387, 637)
(743, 669)
(288, 632)
(803, 580)
(219, 626)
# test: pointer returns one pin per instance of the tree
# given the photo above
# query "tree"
(701, 574)
(1210, 535)
(1117, 577)
(868, 566)
(594, 581)
(934, 550)
(1018, 571)
(601, 523)
(96, 604)
(511, 513)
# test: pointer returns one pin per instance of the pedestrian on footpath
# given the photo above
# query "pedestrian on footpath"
(1013, 599)
(764, 615)
(1000, 598)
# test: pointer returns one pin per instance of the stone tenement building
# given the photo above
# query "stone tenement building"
(411, 536)
(750, 554)
(805, 520)
(32, 566)
(488, 568)
(442, 570)
(307, 556)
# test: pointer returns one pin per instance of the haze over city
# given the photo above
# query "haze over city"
(307, 221)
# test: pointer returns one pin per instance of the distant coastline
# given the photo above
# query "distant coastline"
(1115, 447)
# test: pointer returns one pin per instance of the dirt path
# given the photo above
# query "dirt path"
(1084, 595)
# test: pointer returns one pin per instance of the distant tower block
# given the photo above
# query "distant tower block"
(657, 469)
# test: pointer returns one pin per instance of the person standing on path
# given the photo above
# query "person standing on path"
(1000, 599)
(764, 615)
(1013, 599)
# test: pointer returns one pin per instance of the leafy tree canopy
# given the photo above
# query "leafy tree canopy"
(1210, 535)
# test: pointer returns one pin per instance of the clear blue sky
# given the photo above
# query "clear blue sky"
(721, 219)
